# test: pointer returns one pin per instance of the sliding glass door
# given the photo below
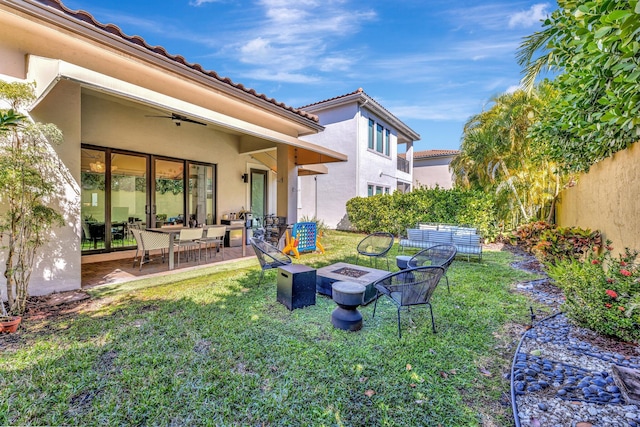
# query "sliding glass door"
(117, 195)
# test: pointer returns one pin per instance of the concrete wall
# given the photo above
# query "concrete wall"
(607, 199)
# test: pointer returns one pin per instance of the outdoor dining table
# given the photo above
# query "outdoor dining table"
(175, 231)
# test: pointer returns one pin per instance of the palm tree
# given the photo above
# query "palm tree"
(498, 155)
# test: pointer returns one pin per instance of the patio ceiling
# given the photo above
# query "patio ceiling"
(253, 137)
(268, 158)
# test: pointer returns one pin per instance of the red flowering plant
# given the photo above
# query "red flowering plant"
(602, 291)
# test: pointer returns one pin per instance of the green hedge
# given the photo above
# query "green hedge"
(396, 212)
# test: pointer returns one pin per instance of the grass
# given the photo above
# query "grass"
(217, 349)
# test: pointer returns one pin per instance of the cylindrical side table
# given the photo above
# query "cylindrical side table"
(402, 261)
(348, 296)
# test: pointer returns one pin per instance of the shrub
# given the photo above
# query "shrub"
(602, 292)
(398, 211)
(528, 235)
(566, 243)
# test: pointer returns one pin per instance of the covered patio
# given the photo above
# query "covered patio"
(107, 270)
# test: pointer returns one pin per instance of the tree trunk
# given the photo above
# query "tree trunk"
(515, 192)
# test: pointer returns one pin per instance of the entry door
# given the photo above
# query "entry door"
(259, 202)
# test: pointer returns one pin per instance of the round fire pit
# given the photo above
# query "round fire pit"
(348, 296)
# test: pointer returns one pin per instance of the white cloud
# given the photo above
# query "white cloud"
(197, 3)
(513, 88)
(436, 110)
(270, 75)
(529, 18)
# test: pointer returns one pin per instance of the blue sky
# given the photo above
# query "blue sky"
(432, 63)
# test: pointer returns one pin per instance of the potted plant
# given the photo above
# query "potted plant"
(28, 185)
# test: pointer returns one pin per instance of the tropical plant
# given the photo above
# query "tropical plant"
(26, 172)
(562, 243)
(594, 46)
(497, 155)
(602, 292)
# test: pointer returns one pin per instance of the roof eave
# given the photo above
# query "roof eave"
(58, 18)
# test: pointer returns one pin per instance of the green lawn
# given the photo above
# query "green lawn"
(217, 349)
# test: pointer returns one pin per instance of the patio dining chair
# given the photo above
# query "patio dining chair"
(269, 256)
(406, 288)
(139, 246)
(374, 246)
(152, 241)
(214, 238)
(189, 239)
(440, 255)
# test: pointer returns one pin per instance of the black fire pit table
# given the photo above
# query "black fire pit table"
(348, 296)
(344, 272)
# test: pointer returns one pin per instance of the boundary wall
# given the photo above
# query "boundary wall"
(607, 199)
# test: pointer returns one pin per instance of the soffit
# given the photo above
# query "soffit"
(80, 41)
(47, 73)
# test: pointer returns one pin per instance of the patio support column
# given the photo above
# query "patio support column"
(287, 187)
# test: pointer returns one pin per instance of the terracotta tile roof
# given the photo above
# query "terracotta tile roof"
(355, 92)
(434, 153)
(137, 40)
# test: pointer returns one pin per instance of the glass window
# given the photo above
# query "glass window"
(379, 190)
(93, 203)
(169, 195)
(371, 135)
(201, 206)
(387, 141)
(370, 190)
(379, 139)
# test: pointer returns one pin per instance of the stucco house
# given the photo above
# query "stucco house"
(431, 168)
(358, 126)
(148, 136)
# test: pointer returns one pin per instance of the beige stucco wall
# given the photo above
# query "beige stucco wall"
(433, 171)
(607, 199)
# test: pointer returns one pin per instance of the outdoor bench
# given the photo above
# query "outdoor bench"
(466, 241)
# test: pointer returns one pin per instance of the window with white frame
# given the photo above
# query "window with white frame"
(387, 141)
(379, 138)
(371, 134)
(373, 190)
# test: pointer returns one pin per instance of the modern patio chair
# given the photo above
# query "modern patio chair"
(375, 245)
(140, 247)
(214, 238)
(413, 286)
(269, 256)
(152, 241)
(189, 240)
(440, 255)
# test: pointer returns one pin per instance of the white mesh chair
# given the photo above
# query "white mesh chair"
(189, 240)
(153, 241)
(214, 238)
(140, 246)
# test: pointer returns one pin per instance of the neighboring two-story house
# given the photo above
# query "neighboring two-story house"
(431, 168)
(359, 127)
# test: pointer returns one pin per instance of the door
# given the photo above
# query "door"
(169, 195)
(259, 202)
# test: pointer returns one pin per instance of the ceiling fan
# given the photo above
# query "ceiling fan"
(178, 119)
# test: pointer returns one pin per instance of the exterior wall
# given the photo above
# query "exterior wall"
(607, 199)
(347, 131)
(325, 196)
(376, 169)
(106, 102)
(430, 172)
